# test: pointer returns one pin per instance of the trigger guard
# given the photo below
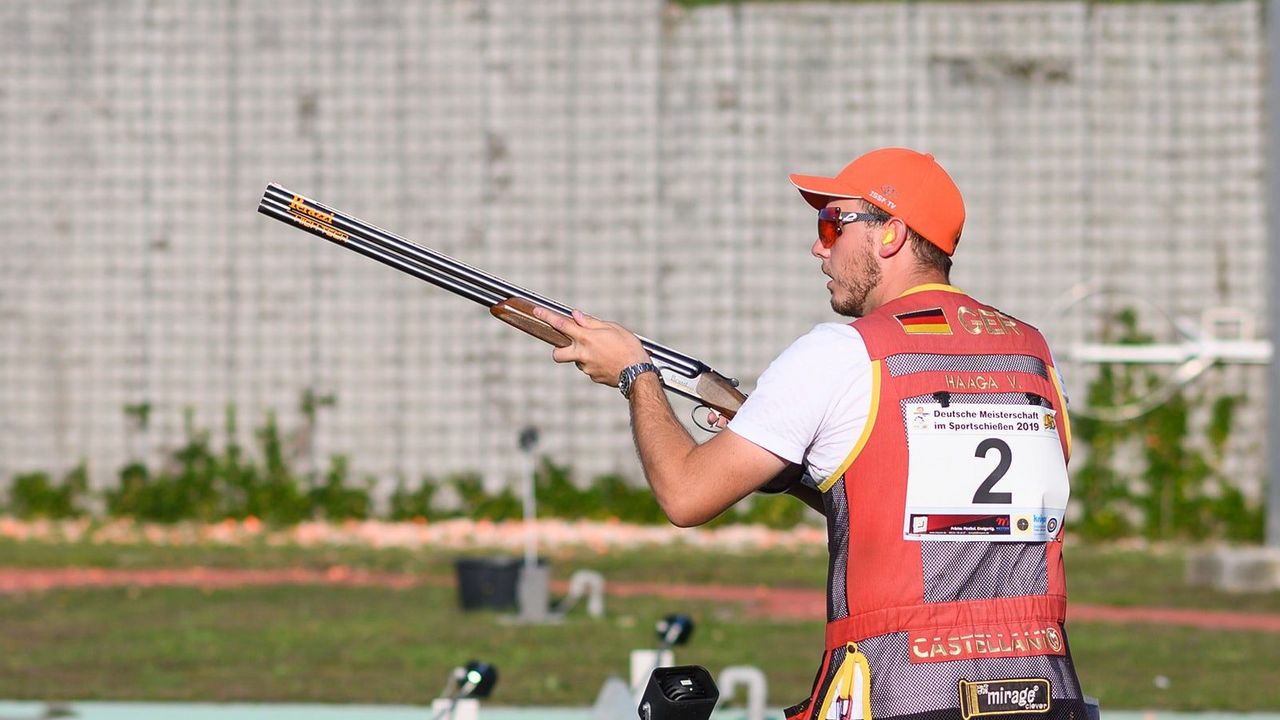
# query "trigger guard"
(701, 426)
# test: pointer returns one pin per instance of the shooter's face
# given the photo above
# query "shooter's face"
(852, 264)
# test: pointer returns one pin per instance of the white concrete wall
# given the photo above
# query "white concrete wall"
(627, 157)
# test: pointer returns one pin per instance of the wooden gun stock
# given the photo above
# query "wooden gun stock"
(720, 393)
(712, 389)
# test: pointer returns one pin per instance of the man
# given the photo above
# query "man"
(933, 434)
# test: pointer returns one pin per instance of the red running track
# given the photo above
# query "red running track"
(760, 601)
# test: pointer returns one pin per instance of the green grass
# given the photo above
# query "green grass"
(1205, 670)
(337, 644)
(675, 563)
(347, 645)
(1149, 577)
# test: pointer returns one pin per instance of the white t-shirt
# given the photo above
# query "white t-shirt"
(811, 403)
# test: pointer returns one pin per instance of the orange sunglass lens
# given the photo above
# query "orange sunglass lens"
(828, 227)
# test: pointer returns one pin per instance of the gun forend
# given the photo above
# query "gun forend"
(706, 386)
(518, 312)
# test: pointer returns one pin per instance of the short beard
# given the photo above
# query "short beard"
(857, 290)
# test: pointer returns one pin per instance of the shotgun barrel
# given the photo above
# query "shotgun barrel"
(680, 373)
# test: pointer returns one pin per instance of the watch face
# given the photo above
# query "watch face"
(629, 375)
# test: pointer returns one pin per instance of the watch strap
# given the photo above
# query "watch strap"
(629, 375)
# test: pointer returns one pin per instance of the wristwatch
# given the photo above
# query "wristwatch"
(629, 375)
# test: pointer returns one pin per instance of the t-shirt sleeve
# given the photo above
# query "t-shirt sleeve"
(811, 403)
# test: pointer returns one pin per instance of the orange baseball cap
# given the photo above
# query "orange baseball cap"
(901, 182)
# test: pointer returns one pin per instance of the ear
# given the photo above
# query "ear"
(893, 237)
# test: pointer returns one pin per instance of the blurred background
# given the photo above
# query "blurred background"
(627, 158)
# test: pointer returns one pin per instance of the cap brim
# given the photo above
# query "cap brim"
(818, 191)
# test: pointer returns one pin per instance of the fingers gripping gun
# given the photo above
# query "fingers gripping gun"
(680, 373)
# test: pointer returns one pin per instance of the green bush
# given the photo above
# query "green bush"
(413, 504)
(335, 499)
(480, 505)
(616, 498)
(775, 511)
(36, 495)
(200, 482)
(273, 491)
(146, 496)
(606, 497)
(1174, 489)
(1177, 491)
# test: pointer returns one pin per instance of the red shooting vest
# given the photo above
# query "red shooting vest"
(945, 601)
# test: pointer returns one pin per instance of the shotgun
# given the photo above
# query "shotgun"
(681, 374)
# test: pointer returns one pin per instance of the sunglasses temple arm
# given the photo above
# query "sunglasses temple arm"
(681, 374)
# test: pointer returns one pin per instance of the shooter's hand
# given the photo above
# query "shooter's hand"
(600, 349)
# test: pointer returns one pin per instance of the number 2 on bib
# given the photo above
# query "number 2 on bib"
(984, 472)
(984, 494)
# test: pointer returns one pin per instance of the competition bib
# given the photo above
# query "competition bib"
(984, 472)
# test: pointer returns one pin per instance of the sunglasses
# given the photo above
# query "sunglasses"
(831, 222)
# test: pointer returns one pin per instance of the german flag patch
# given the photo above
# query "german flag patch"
(924, 322)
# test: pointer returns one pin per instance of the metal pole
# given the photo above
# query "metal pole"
(535, 578)
(1272, 469)
(529, 443)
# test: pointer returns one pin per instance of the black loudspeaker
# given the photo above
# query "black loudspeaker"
(685, 692)
(674, 630)
(477, 679)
